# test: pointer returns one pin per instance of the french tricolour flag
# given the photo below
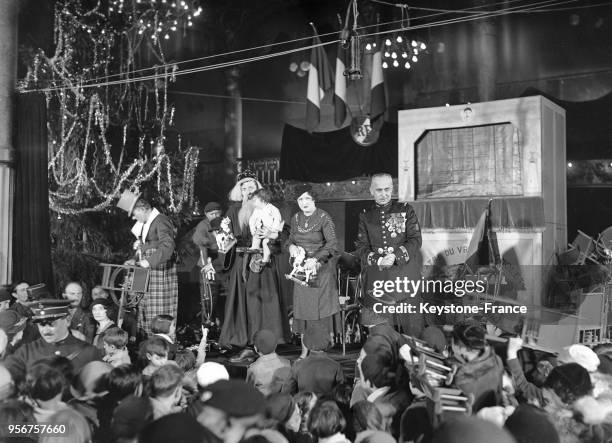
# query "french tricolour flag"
(319, 81)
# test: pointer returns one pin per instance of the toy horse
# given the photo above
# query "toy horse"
(300, 274)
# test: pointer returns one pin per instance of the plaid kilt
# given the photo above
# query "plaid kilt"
(162, 297)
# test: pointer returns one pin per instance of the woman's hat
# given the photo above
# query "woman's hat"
(127, 201)
(300, 189)
(100, 301)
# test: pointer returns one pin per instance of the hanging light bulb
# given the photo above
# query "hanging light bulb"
(368, 47)
(293, 66)
(404, 54)
(407, 65)
(385, 65)
(423, 47)
(189, 23)
(415, 50)
(399, 39)
(415, 59)
(413, 43)
(387, 54)
(374, 44)
(394, 55)
(388, 42)
(395, 63)
(166, 36)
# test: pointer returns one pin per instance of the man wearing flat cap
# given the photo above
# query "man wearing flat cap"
(154, 250)
(51, 318)
(388, 244)
(211, 271)
(229, 408)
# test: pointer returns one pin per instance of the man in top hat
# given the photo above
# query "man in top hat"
(154, 250)
(51, 318)
(205, 240)
(388, 244)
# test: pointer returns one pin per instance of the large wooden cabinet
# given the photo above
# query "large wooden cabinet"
(507, 150)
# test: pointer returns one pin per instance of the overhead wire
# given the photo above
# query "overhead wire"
(484, 15)
(237, 51)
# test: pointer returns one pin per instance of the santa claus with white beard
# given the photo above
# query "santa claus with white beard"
(253, 298)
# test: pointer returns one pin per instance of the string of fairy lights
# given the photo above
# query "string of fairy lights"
(89, 166)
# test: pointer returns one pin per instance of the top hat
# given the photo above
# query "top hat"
(49, 309)
(127, 201)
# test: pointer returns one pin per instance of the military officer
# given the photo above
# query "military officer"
(51, 318)
(388, 244)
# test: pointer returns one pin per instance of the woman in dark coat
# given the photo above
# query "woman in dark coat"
(313, 230)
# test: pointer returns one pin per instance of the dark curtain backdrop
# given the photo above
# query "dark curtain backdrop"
(31, 238)
(334, 156)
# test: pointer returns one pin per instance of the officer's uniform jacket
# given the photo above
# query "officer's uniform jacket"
(77, 351)
(393, 228)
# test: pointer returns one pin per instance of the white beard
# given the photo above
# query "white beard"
(245, 212)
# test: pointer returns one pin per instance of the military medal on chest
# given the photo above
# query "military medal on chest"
(396, 224)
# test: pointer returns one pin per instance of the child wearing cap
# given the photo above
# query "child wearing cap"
(269, 372)
(115, 350)
(318, 372)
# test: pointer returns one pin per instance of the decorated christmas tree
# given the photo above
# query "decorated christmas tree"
(110, 124)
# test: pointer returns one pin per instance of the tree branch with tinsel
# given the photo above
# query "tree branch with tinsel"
(105, 139)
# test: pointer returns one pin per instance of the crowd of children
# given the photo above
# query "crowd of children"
(155, 391)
